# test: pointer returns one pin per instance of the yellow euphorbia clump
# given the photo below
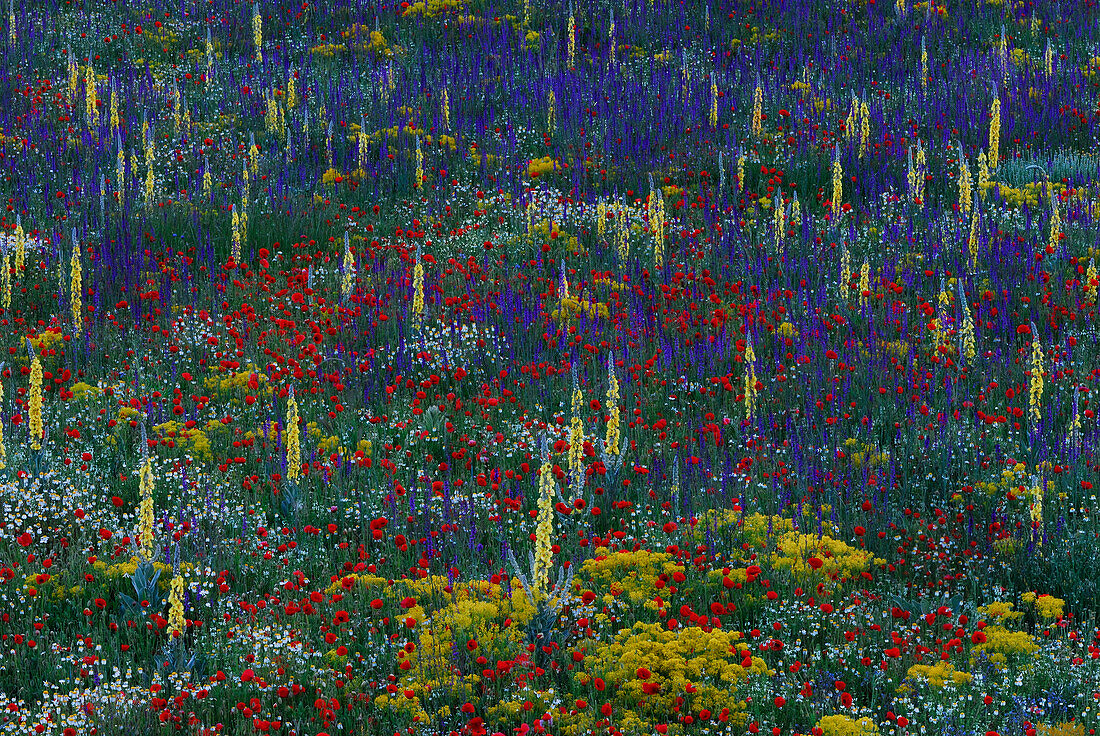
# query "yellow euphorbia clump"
(1048, 606)
(808, 555)
(1001, 643)
(631, 575)
(939, 674)
(838, 725)
(649, 668)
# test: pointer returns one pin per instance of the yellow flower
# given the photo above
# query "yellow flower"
(175, 608)
(35, 402)
(293, 443)
(838, 725)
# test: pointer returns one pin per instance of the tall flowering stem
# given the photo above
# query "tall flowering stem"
(576, 440)
(293, 439)
(146, 486)
(75, 289)
(611, 439)
(994, 133)
(176, 621)
(544, 530)
(750, 381)
(34, 399)
(3, 450)
(258, 32)
(1035, 385)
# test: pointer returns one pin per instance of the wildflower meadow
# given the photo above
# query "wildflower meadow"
(516, 367)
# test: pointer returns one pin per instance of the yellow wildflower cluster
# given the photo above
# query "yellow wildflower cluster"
(82, 390)
(432, 8)
(632, 576)
(549, 232)
(193, 439)
(570, 307)
(238, 381)
(838, 725)
(368, 40)
(1047, 606)
(652, 671)
(1030, 194)
(939, 674)
(1001, 643)
(864, 454)
(1001, 610)
(122, 570)
(808, 556)
(480, 611)
(542, 166)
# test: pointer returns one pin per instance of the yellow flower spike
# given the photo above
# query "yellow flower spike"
(838, 185)
(236, 230)
(544, 530)
(3, 450)
(176, 621)
(550, 104)
(994, 132)
(864, 128)
(90, 98)
(418, 286)
(258, 32)
(571, 36)
(75, 289)
(1035, 388)
(348, 283)
(611, 440)
(750, 381)
(965, 186)
(5, 281)
(34, 400)
(713, 102)
(293, 441)
(923, 65)
(20, 245)
(758, 110)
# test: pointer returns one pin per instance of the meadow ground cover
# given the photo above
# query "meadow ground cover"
(471, 367)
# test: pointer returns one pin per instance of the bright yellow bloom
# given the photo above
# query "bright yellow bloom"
(838, 185)
(995, 132)
(146, 486)
(258, 32)
(34, 400)
(3, 450)
(75, 289)
(758, 111)
(1035, 388)
(293, 441)
(418, 288)
(750, 381)
(175, 608)
(544, 531)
